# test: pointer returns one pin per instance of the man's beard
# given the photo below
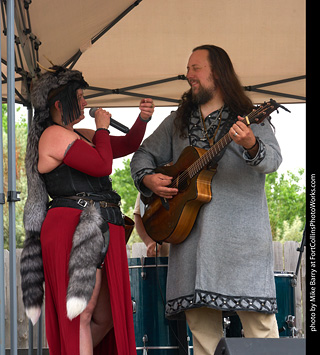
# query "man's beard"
(203, 95)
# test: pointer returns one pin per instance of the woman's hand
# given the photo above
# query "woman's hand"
(102, 118)
(147, 108)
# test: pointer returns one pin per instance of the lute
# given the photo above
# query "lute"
(171, 220)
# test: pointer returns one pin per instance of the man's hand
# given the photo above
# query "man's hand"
(158, 183)
(243, 135)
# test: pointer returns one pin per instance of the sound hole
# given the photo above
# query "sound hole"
(182, 181)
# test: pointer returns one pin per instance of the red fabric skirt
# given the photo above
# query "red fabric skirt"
(62, 334)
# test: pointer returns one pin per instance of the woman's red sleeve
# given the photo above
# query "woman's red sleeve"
(124, 145)
(94, 161)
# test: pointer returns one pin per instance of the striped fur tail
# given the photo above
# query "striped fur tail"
(32, 276)
(85, 256)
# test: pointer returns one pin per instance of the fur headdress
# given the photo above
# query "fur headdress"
(57, 84)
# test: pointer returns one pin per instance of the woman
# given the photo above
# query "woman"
(88, 299)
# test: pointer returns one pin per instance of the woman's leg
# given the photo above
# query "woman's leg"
(86, 344)
(102, 322)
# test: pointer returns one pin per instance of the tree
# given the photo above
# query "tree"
(287, 204)
(21, 133)
(290, 232)
(123, 184)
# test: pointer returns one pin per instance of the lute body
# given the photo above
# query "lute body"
(171, 220)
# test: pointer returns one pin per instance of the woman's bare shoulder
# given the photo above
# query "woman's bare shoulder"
(55, 140)
(53, 145)
(57, 134)
(86, 132)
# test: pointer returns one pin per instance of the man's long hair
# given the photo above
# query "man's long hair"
(225, 79)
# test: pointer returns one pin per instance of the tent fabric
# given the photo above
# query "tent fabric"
(152, 42)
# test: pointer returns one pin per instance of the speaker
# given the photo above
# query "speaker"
(255, 346)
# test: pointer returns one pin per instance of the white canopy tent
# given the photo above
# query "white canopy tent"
(130, 49)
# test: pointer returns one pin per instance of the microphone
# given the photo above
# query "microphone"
(113, 123)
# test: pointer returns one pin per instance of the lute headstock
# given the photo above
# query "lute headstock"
(259, 113)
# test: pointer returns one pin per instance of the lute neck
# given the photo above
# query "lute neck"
(255, 116)
(207, 157)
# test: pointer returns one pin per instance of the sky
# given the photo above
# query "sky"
(290, 132)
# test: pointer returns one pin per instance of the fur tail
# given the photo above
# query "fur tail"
(31, 269)
(32, 276)
(84, 259)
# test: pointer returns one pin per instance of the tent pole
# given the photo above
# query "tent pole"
(115, 21)
(12, 194)
(127, 93)
(275, 93)
(277, 82)
(124, 91)
(2, 201)
(156, 82)
(28, 51)
(256, 88)
(73, 60)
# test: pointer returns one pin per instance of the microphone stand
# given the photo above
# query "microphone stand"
(290, 320)
(300, 250)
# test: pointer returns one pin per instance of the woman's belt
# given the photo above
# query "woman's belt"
(84, 201)
(109, 211)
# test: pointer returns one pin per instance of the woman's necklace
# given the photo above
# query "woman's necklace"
(205, 130)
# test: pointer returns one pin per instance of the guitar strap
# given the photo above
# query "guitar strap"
(225, 128)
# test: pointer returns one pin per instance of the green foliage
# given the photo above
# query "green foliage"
(123, 184)
(4, 118)
(290, 232)
(287, 205)
(21, 179)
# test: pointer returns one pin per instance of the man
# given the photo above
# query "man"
(153, 249)
(226, 262)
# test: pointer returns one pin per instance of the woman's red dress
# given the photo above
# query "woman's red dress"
(56, 241)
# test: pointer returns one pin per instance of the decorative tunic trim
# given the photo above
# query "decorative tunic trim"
(197, 137)
(221, 302)
(259, 156)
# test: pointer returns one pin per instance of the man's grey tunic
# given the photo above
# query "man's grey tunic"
(226, 262)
